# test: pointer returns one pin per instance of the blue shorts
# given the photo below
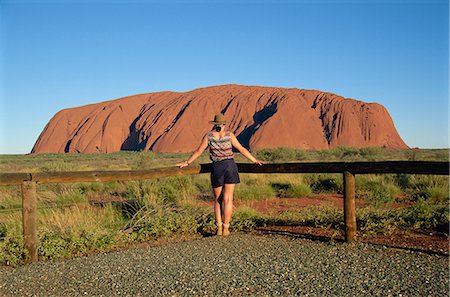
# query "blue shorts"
(224, 172)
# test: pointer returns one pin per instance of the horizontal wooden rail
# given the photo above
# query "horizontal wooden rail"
(408, 167)
(14, 178)
(28, 182)
(379, 167)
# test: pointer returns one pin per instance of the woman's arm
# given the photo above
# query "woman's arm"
(196, 153)
(243, 150)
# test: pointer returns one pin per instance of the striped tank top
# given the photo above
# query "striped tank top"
(220, 149)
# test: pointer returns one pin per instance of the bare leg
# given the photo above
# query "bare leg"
(227, 197)
(218, 208)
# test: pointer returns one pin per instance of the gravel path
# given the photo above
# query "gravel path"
(241, 264)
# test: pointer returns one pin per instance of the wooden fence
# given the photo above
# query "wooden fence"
(28, 183)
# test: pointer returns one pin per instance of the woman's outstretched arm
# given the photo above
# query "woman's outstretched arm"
(243, 150)
(196, 153)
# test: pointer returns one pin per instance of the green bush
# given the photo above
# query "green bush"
(245, 219)
(380, 194)
(10, 201)
(202, 182)
(422, 215)
(144, 160)
(321, 216)
(437, 194)
(325, 183)
(371, 153)
(425, 215)
(159, 221)
(429, 187)
(254, 192)
(298, 190)
(53, 244)
(403, 181)
(374, 220)
(170, 190)
(282, 154)
(11, 250)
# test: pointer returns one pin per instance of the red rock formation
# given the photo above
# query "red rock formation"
(261, 117)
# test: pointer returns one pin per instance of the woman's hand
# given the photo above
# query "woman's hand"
(259, 162)
(183, 164)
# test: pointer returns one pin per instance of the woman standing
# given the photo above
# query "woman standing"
(224, 172)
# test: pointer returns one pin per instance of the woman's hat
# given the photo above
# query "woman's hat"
(218, 119)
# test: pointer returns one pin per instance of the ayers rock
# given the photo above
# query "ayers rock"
(261, 117)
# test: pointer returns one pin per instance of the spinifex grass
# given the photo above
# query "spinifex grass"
(80, 218)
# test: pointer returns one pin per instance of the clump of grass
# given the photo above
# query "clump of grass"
(254, 192)
(246, 219)
(11, 238)
(169, 190)
(77, 231)
(157, 221)
(380, 193)
(322, 216)
(10, 200)
(422, 215)
(144, 160)
(51, 195)
(437, 194)
(281, 154)
(298, 190)
(428, 187)
(379, 190)
(325, 183)
(202, 182)
(373, 220)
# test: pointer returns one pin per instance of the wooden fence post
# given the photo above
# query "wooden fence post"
(29, 212)
(349, 206)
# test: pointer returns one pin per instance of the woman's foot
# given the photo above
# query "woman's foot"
(226, 230)
(219, 229)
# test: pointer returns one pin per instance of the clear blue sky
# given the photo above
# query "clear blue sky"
(59, 54)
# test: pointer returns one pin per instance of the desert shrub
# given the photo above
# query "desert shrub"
(281, 154)
(158, 221)
(10, 200)
(422, 215)
(371, 153)
(53, 245)
(325, 183)
(144, 160)
(11, 239)
(202, 182)
(169, 190)
(104, 187)
(374, 220)
(403, 180)
(346, 153)
(254, 192)
(425, 215)
(325, 155)
(437, 194)
(316, 216)
(76, 231)
(245, 219)
(61, 165)
(432, 187)
(380, 193)
(11, 250)
(298, 190)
